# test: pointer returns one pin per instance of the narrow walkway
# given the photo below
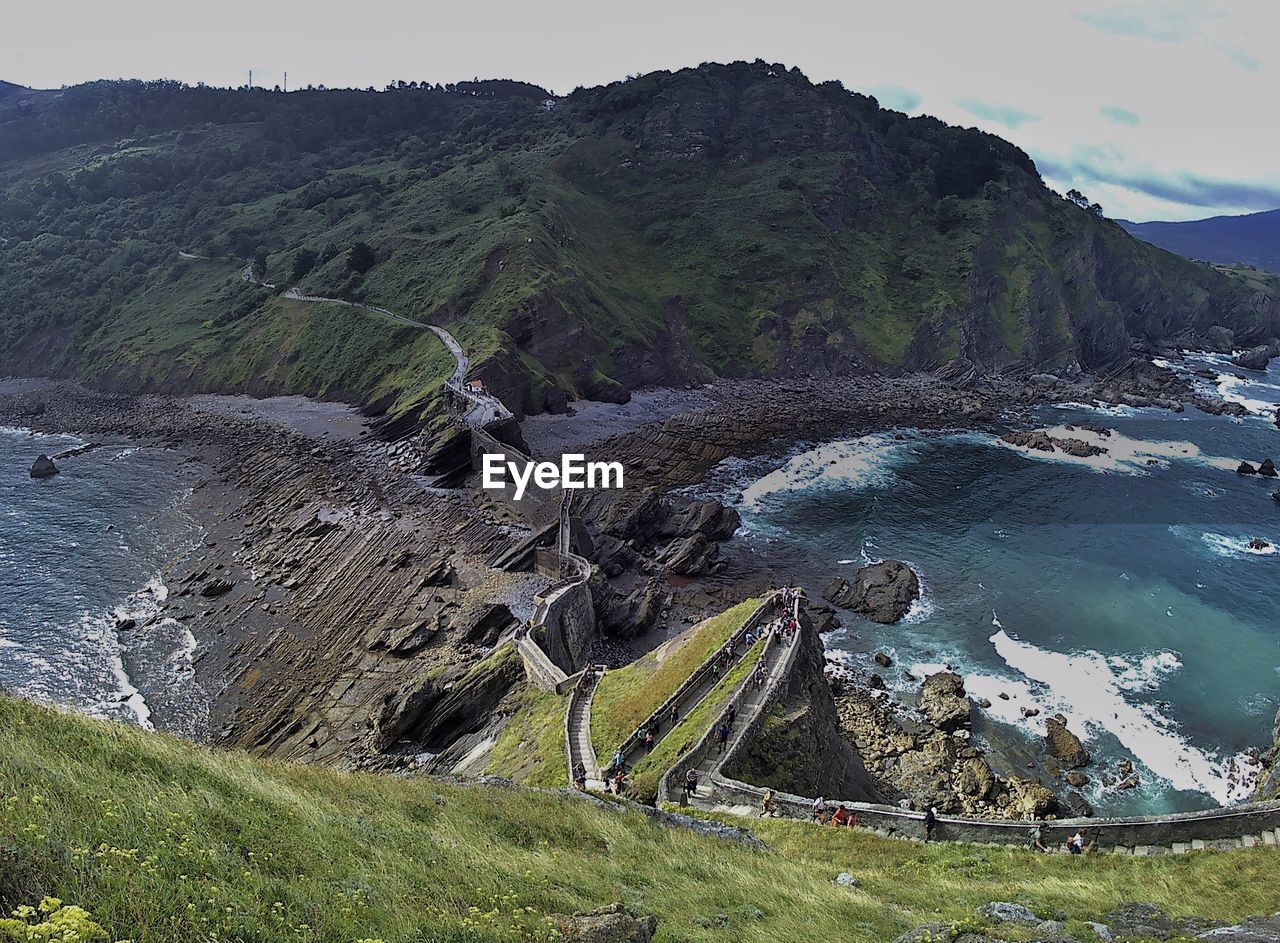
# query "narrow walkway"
(689, 695)
(751, 701)
(578, 729)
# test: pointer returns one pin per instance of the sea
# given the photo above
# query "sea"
(1121, 591)
(81, 554)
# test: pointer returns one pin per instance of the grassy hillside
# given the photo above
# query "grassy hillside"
(158, 840)
(725, 220)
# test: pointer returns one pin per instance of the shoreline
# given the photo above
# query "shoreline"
(693, 431)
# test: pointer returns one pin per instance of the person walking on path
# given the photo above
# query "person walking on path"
(767, 806)
(930, 823)
(690, 784)
(819, 809)
(732, 715)
(722, 737)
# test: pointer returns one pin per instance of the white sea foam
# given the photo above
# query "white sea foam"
(1123, 454)
(1092, 691)
(1230, 389)
(1225, 546)
(857, 464)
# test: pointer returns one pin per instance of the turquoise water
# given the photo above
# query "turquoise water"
(78, 552)
(1119, 591)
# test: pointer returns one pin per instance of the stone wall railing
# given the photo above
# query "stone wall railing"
(1245, 825)
(672, 782)
(762, 613)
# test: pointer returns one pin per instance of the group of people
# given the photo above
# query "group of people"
(1075, 845)
(839, 817)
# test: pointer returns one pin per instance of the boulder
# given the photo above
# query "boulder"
(689, 556)
(612, 924)
(1007, 913)
(43, 467)
(1031, 799)
(883, 660)
(1255, 358)
(1064, 746)
(1076, 806)
(1257, 543)
(845, 879)
(1036, 439)
(1143, 921)
(1250, 930)
(1246, 469)
(944, 702)
(883, 592)
(1219, 339)
(1078, 447)
(1268, 469)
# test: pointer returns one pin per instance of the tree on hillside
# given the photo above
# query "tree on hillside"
(360, 258)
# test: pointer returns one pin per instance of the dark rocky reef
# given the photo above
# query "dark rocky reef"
(883, 592)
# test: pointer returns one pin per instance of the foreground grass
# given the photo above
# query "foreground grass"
(531, 748)
(163, 841)
(628, 696)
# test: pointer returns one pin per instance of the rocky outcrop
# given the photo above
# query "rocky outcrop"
(683, 533)
(883, 592)
(690, 556)
(1039, 440)
(1255, 358)
(1036, 439)
(911, 759)
(1064, 747)
(43, 467)
(612, 924)
(944, 702)
(432, 711)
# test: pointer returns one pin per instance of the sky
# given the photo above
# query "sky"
(1155, 110)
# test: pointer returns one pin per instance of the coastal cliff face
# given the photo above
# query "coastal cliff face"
(799, 749)
(729, 220)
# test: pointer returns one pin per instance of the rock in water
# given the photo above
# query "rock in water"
(1246, 469)
(1267, 468)
(1258, 544)
(1065, 746)
(1256, 358)
(944, 702)
(43, 467)
(1036, 439)
(612, 924)
(883, 592)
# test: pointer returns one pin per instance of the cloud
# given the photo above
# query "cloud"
(1006, 115)
(1120, 115)
(1162, 22)
(1088, 166)
(895, 97)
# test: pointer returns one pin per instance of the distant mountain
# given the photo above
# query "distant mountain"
(8, 88)
(727, 220)
(1252, 240)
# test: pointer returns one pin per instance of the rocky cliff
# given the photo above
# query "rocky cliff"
(800, 749)
(727, 220)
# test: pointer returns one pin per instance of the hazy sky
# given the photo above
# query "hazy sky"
(1157, 110)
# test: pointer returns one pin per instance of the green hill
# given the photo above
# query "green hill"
(158, 840)
(725, 220)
